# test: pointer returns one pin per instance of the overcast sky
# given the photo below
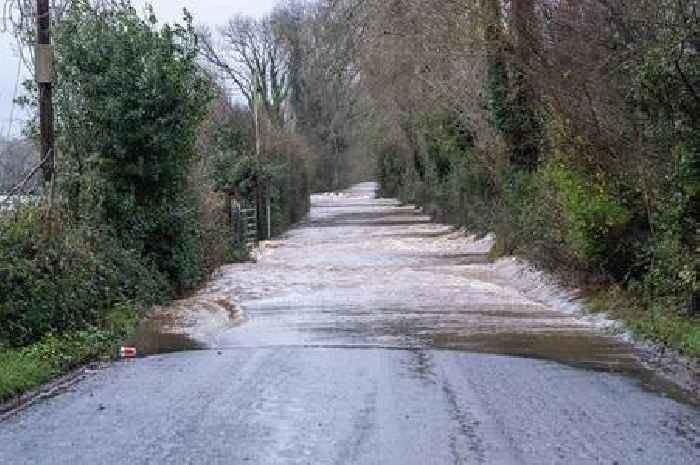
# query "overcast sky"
(212, 12)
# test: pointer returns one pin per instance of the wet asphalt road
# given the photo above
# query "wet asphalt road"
(370, 336)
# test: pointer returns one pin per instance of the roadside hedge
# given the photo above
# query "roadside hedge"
(68, 279)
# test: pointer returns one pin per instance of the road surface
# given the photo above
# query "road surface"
(369, 336)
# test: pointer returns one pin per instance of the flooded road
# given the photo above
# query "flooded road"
(368, 335)
(367, 272)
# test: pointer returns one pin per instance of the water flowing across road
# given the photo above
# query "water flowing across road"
(367, 335)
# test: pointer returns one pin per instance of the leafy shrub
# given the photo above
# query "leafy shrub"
(390, 169)
(280, 171)
(590, 214)
(130, 98)
(53, 283)
(668, 256)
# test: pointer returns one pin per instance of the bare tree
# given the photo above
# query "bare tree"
(249, 53)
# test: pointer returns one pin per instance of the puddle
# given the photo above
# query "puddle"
(153, 337)
(189, 324)
(571, 348)
(600, 353)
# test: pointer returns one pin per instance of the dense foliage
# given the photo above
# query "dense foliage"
(149, 147)
(570, 129)
(65, 281)
(278, 172)
(132, 220)
(130, 98)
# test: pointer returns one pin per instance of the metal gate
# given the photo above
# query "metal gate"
(249, 221)
(244, 224)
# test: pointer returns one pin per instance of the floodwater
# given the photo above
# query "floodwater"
(186, 324)
(367, 336)
(363, 272)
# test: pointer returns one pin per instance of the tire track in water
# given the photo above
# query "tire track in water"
(467, 428)
(364, 422)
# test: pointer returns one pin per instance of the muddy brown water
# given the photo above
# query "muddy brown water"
(152, 337)
(368, 273)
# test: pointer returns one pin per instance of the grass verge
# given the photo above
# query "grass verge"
(671, 329)
(26, 368)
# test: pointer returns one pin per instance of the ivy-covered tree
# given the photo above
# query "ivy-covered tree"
(129, 98)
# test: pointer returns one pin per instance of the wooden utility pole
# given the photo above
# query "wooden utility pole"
(695, 202)
(268, 208)
(44, 78)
